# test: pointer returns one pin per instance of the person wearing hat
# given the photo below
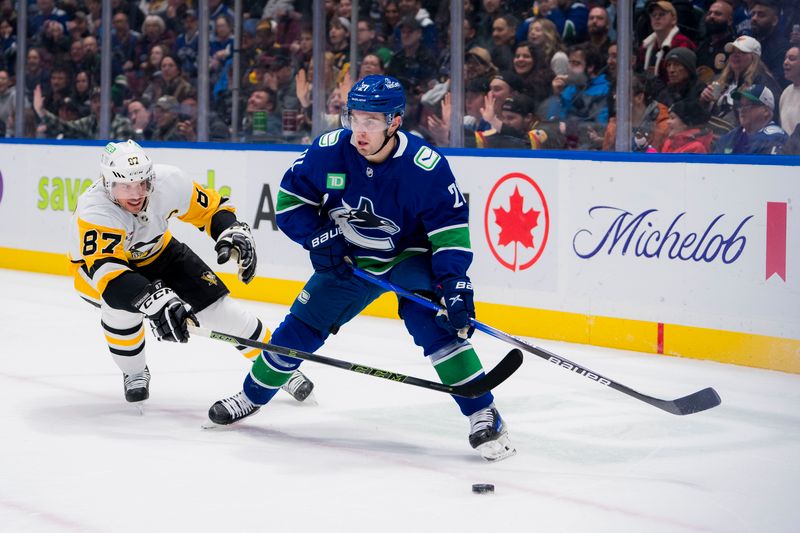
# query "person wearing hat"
(582, 95)
(165, 112)
(666, 36)
(744, 68)
(520, 128)
(757, 133)
(87, 127)
(478, 64)
(686, 129)
(682, 82)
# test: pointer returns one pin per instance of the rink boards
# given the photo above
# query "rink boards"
(695, 256)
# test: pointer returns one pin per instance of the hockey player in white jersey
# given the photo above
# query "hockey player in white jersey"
(126, 262)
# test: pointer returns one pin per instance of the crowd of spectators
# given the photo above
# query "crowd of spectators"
(709, 75)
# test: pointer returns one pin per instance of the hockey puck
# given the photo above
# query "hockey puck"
(483, 488)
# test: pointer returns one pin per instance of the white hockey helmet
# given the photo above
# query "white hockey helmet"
(125, 163)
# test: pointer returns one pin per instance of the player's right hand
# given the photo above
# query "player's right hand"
(329, 251)
(166, 312)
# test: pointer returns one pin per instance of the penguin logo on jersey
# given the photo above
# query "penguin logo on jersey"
(350, 220)
(209, 278)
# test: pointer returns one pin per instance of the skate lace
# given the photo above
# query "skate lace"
(138, 380)
(238, 405)
(483, 419)
(294, 383)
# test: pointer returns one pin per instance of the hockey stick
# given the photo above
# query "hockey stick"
(507, 366)
(693, 403)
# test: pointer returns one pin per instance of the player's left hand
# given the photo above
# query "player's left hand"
(237, 241)
(457, 297)
(329, 251)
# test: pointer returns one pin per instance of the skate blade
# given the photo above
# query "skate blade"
(497, 450)
(208, 424)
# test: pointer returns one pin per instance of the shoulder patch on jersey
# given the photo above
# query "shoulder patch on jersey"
(426, 158)
(330, 138)
(772, 129)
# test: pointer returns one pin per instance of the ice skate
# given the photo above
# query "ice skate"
(137, 386)
(298, 386)
(230, 410)
(488, 435)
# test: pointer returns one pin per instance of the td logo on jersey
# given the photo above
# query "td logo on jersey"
(516, 221)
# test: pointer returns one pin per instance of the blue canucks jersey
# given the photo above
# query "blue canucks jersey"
(409, 204)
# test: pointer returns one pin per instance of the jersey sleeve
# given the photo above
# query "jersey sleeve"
(199, 205)
(445, 216)
(299, 199)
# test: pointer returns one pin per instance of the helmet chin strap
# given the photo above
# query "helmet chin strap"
(386, 139)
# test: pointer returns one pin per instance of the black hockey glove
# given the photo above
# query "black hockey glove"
(329, 251)
(456, 296)
(166, 311)
(238, 242)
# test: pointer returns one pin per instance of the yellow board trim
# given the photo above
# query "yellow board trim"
(732, 347)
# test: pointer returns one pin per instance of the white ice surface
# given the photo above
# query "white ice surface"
(374, 455)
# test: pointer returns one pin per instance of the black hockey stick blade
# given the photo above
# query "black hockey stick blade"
(693, 403)
(501, 372)
(507, 366)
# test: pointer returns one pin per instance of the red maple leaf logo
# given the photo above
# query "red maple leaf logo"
(515, 224)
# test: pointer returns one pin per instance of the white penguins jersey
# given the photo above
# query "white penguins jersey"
(106, 240)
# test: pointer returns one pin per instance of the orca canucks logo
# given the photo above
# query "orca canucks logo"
(353, 222)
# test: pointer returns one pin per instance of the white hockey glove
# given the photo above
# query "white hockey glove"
(166, 312)
(238, 242)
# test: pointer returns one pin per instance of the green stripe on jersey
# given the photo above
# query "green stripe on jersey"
(455, 237)
(266, 375)
(459, 367)
(287, 201)
(381, 266)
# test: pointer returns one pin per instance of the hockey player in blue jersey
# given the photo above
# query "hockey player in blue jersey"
(372, 195)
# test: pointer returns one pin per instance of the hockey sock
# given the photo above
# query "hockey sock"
(270, 371)
(457, 363)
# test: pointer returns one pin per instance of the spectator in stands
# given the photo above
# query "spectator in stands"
(57, 89)
(682, 82)
(413, 9)
(757, 133)
(711, 55)
(597, 27)
(371, 64)
(502, 43)
(520, 128)
(530, 65)
(582, 96)
(790, 99)
(744, 68)
(764, 23)
(542, 33)
(265, 38)
(280, 80)
(221, 47)
(44, 12)
(7, 99)
(166, 111)
(35, 73)
(170, 82)
(414, 65)
(339, 44)
(367, 41)
(687, 119)
(87, 127)
(8, 45)
(186, 44)
(391, 18)
(570, 18)
(54, 40)
(302, 49)
(501, 87)
(648, 120)
(471, 38)
(478, 64)
(124, 45)
(261, 123)
(78, 60)
(665, 37)
(154, 32)
(82, 92)
(490, 10)
(142, 121)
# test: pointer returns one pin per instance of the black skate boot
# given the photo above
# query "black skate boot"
(137, 386)
(299, 386)
(488, 435)
(233, 409)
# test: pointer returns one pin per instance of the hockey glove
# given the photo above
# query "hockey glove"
(329, 251)
(166, 312)
(238, 242)
(456, 296)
